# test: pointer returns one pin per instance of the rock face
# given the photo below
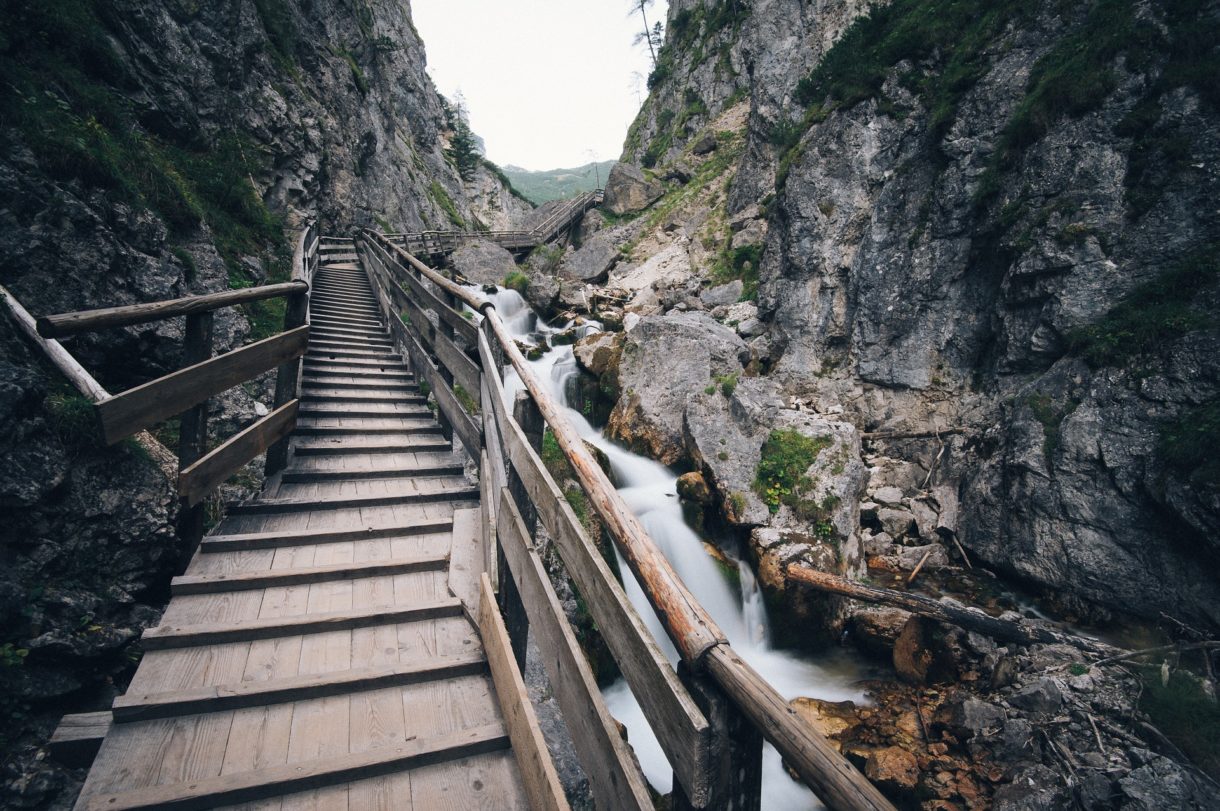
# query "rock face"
(935, 256)
(686, 350)
(592, 261)
(482, 262)
(628, 191)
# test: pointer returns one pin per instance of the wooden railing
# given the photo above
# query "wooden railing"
(186, 392)
(436, 243)
(711, 715)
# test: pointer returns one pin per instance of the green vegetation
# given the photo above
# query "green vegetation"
(739, 263)
(546, 258)
(1186, 714)
(468, 403)
(383, 224)
(1152, 314)
(506, 181)
(281, 32)
(555, 184)
(516, 280)
(781, 478)
(726, 383)
(12, 656)
(731, 145)
(1051, 416)
(73, 420)
(691, 33)
(441, 197)
(1188, 444)
(358, 77)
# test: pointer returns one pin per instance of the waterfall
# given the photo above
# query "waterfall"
(651, 492)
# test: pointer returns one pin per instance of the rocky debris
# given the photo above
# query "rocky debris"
(668, 269)
(704, 145)
(629, 191)
(893, 769)
(592, 261)
(481, 261)
(686, 350)
(875, 629)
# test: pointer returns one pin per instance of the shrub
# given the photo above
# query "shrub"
(516, 280)
(1188, 444)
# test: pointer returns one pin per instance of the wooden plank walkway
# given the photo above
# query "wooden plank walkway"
(314, 654)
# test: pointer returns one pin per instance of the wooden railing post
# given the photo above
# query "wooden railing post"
(527, 415)
(735, 761)
(193, 428)
(287, 379)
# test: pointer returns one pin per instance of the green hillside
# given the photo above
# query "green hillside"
(553, 184)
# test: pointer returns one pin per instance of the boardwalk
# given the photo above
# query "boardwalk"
(315, 642)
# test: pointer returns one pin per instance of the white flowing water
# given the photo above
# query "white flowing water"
(650, 490)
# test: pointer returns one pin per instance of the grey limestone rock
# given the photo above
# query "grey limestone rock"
(628, 190)
(482, 261)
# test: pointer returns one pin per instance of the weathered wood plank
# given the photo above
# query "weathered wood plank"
(279, 578)
(613, 774)
(458, 493)
(135, 409)
(537, 769)
(470, 434)
(261, 784)
(64, 324)
(250, 541)
(163, 637)
(146, 706)
(203, 476)
(466, 559)
(465, 372)
(77, 738)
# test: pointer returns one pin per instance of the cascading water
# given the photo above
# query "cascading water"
(650, 490)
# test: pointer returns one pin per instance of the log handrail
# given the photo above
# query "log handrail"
(65, 324)
(701, 644)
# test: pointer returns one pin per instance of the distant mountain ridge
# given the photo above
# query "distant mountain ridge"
(553, 184)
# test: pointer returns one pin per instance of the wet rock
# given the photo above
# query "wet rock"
(926, 652)
(893, 770)
(482, 262)
(876, 628)
(628, 190)
(693, 487)
(828, 717)
(686, 351)
(599, 354)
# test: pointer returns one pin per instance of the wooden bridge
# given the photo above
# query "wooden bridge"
(563, 216)
(354, 637)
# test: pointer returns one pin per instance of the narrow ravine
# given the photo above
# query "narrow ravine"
(650, 490)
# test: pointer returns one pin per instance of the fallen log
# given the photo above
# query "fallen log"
(971, 620)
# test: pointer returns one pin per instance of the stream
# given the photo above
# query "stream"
(650, 490)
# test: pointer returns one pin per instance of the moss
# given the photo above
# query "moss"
(441, 197)
(1188, 444)
(1051, 415)
(516, 280)
(358, 77)
(727, 384)
(780, 478)
(73, 419)
(1154, 313)
(1186, 714)
(739, 263)
(276, 19)
(383, 224)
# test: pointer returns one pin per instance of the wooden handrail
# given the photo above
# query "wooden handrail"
(700, 642)
(64, 324)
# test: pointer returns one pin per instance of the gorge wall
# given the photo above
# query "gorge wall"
(153, 150)
(995, 223)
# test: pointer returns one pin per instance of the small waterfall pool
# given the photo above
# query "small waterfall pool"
(650, 490)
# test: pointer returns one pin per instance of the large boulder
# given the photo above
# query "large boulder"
(665, 361)
(628, 190)
(482, 262)
(593, 261)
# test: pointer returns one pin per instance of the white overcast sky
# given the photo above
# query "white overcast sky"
(547, 82)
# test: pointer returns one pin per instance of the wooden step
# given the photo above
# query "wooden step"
(276, 578)
(443, 495)
(424, 427)
(422, 471)
(357, 373)
(274, 781)
(253, 541)
(381, 448)
(383, 382)
(335, 353)
(328, 321)
(370, 367)
(165, 637)
(227, 697)
(406, 411)
(370, 335)
(358, 397)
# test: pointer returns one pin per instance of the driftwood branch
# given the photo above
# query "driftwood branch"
(971, 620)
